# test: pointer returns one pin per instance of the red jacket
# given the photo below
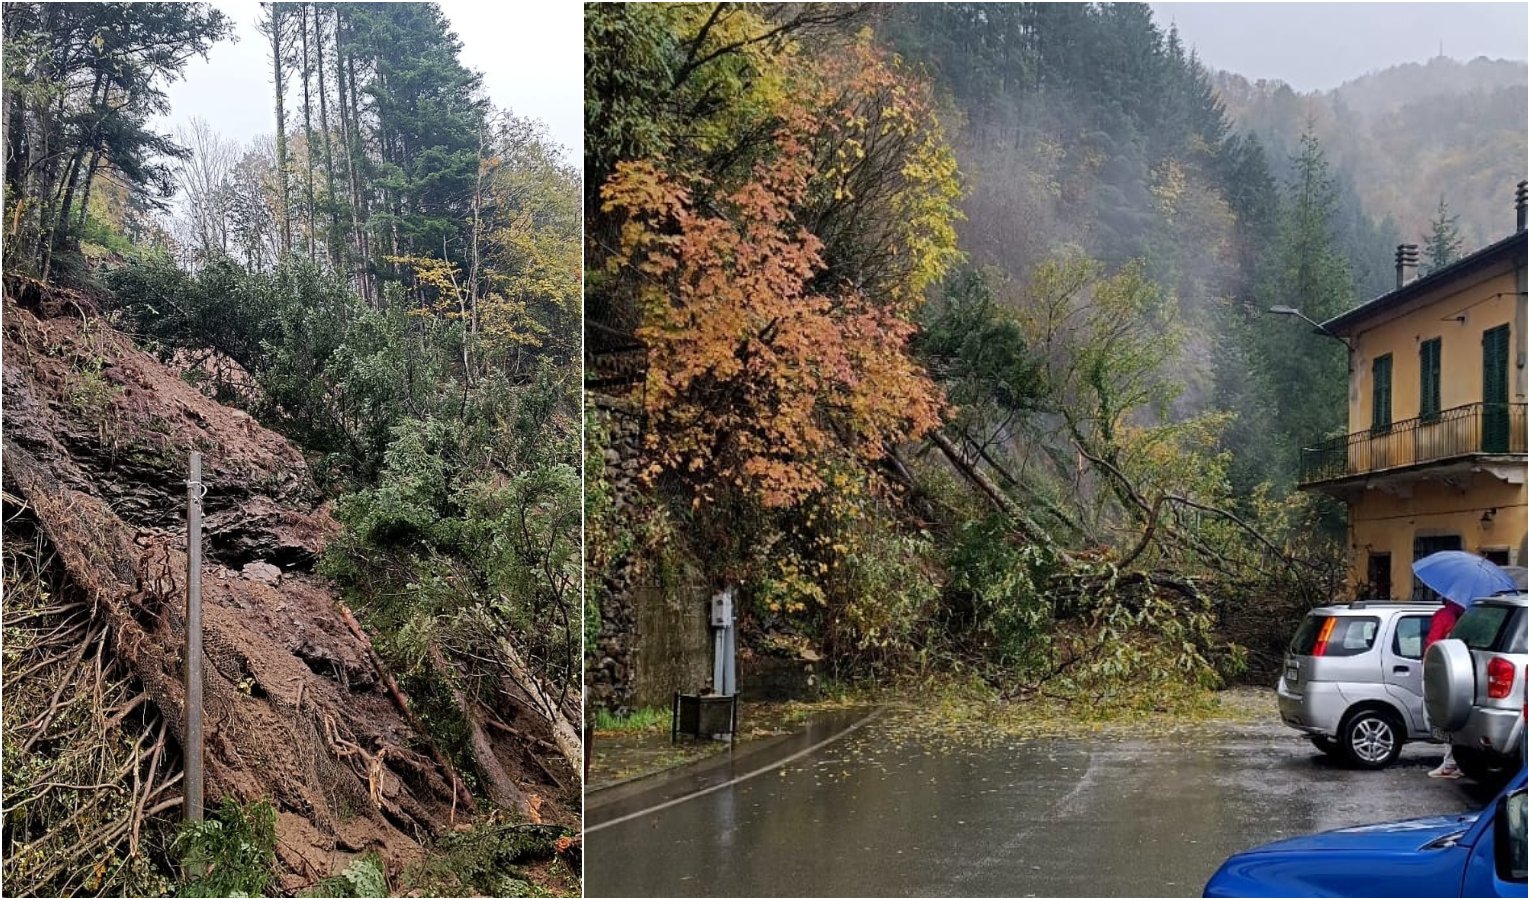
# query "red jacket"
(1441, 623)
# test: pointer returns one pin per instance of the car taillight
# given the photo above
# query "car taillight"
(1500, 673)
(1321, 646)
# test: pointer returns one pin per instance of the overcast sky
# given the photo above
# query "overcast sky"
(1317, 46)
(531, 56)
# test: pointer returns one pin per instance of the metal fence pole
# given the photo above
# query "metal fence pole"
(193, 766)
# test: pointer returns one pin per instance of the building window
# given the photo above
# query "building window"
(1499, 555)
(1381, 393)
(1379, 576)
(1429, 380)
(1422, 547)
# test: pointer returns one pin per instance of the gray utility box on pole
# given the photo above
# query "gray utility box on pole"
(724, 673)
(716, 714)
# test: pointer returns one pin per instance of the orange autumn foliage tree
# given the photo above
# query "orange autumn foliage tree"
(771, 354)
(754, 373)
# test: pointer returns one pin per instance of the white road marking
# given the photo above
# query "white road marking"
(732, 781)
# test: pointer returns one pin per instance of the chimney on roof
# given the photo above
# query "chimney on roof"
(1407, 263)
(1519, 207)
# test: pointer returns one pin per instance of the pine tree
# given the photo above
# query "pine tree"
(1442, 246)
(1302, 374)
(428, 118)
(82, 84)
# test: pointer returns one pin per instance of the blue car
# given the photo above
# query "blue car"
(1479, 854)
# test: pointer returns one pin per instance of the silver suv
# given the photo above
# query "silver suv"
(1475, 687)
(1353, 679)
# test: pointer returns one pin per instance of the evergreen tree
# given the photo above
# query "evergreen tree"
(427, 118)
(1302, 375)
(81, 84)
(1442, 246)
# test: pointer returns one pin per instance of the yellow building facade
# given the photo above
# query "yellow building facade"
(1435, 458)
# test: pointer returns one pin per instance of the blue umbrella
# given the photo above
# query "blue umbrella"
(1462, 577)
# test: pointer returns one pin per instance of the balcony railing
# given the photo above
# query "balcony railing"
(1477, 428)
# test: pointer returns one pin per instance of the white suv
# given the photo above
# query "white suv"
(1475, 685)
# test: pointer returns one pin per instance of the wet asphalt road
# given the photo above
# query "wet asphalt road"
(879, 811)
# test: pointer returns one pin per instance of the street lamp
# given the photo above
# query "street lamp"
(1293, 311)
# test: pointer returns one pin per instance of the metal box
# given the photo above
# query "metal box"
(722, 609)
(704, 715)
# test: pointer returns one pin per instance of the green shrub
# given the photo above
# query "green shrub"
(232, 853)
(364, 877)
(997, 592)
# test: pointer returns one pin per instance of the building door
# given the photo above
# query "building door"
(1379, 576)
(1422, 547)
(1495, 390)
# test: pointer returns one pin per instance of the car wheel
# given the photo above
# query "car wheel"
(1372, 739)
(1481, 766)
(1326, 744)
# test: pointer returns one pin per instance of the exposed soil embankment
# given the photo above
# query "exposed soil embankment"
(96, 438)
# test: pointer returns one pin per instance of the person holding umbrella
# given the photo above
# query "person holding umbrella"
(1459, 578)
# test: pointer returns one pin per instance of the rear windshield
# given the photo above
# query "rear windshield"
(1349, 635)
(1489, 626)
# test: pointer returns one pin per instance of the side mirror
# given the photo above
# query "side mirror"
(1509, 837)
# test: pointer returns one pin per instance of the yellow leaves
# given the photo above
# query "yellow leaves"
(1168, 188)
(440, 292)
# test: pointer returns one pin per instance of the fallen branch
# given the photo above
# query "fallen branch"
(459, 790)
(1000, 500)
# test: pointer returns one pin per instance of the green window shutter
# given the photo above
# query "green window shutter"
(1381, 393)
(1429, 380)
(1495, 390)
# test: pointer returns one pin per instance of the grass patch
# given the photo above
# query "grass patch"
(649, 718)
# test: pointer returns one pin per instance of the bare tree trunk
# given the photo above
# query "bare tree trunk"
(307, 127)
(279, 75)
(502, 789)
(1001, 501)
(547, 703)
(366, 212)
(329, 154)
(90, 178)
(474, 256)
(350, 140)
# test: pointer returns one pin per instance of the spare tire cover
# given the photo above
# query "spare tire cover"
(1450, 684)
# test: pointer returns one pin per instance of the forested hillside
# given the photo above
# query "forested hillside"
(956, 344)
(367, 324)
(1408, 137)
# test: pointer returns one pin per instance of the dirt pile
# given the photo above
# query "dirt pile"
(96, 438)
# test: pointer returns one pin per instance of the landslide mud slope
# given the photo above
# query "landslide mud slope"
(96, 438)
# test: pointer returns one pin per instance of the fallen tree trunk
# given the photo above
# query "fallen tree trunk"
(1000, 500)
(401, 703)
(501, 787)
(546, 703)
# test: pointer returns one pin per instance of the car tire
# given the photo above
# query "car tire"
(1328, 745)
(1371, 738)
(1482, 766)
